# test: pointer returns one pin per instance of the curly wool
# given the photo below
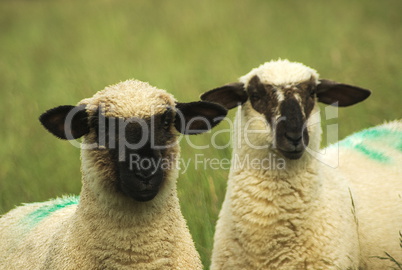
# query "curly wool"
(104, 229)
(371, 160)
(280, 72)
(309, 215)
(285, 218)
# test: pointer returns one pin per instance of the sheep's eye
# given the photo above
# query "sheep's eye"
(304, 87)
(254, 96)
(166, 119)
(166, 124)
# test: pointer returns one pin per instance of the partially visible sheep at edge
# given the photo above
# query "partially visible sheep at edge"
(302, 213)
(128, 216)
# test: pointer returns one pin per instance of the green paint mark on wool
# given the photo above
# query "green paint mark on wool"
(373, 133)
(398, 145)
(372, 153)
(33, 218)
(390, 138)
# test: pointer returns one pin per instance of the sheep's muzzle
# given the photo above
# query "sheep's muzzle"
(291, 134)
(140, 175)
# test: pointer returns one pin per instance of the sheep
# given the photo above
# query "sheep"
(128, 214)
(303, 213)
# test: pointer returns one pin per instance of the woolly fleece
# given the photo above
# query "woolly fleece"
(280, 72)
(308, 215)
(371, 160)
(105, 230)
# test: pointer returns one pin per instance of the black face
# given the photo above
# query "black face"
(285, 114)
(137, 151)
(135, 155)
(287, 108)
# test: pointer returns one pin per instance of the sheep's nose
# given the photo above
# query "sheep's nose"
(144, 175)
(294, 137)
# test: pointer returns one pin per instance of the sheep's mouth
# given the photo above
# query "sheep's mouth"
(296, 154)
(140, 184)
(289, 149)
(145, 195)
(292, 145)
(139, 189)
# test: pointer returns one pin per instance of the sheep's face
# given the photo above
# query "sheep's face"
(285, 109)
(130, 134)
(140, 151)
(285, 94)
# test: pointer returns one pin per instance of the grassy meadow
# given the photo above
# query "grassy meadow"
(59, 52)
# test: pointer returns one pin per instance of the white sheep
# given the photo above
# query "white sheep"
(128, 214)
(284, 208)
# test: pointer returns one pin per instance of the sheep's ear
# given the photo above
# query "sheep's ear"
(66, 122)
(198, 117)
(230, 95)
(330, 92)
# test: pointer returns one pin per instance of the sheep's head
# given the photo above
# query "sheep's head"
(130, 133)
(285, 94)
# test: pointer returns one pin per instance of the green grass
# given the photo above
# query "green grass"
(58, 52)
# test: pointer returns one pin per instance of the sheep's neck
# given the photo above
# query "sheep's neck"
(272, 183)
(124, 232)
(276, 192)
(266, 202)
(267, 209)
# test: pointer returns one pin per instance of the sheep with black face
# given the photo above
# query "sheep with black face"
(305, 214)
(128, 214)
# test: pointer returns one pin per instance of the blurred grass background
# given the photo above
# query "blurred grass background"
(59, 52)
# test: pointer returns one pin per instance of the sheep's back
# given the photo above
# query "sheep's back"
(371, 160)
(26, 231)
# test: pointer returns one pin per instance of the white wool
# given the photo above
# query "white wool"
(309, 215)
(105, 230)
(131, 98)
(281, 72)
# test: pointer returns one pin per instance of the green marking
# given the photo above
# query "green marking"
(398, 145)
(373, 133)
(390, 138)
(372, 153)
(33, 218)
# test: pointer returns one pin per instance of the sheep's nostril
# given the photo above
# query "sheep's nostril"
(147, 174)
(294, 137)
